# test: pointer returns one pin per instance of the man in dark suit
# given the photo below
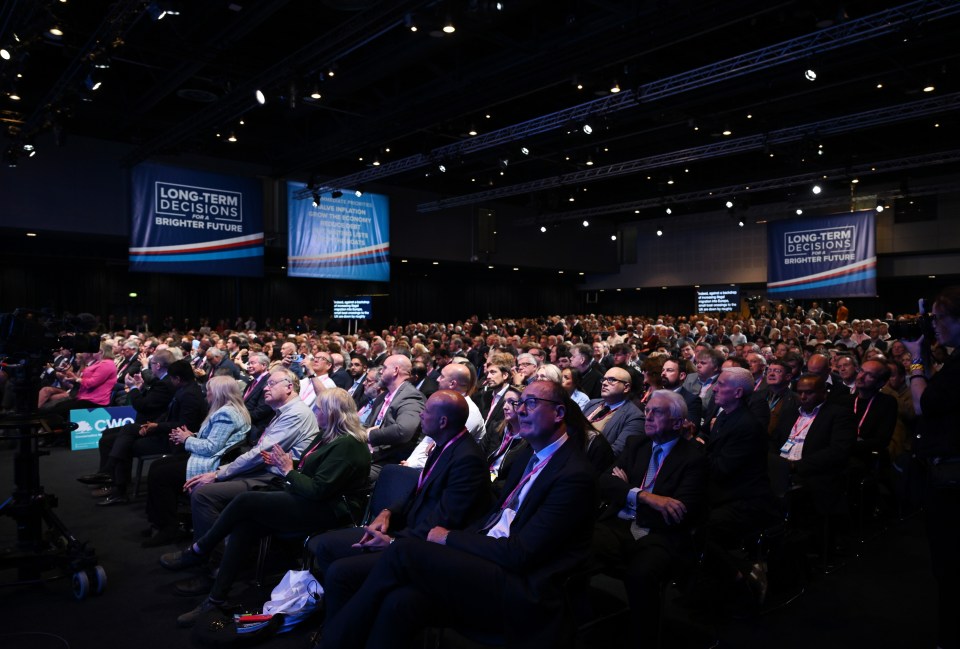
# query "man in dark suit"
(490, 401)
(756, 403)
(129, 365)
(509, 565)
(453, 488)
(422, 380)
(221, 365)
(394, 419)
(837, 392)
(150, 398)
(357, 370)
(581, 359)
(254, 396)
(655, 495)
(741, 501)
(780, 398)
(339, 374)
(614, 413)
(672, 376)
(815, 443)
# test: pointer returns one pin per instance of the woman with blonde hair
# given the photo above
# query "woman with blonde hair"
(322, 491)
(226, 424)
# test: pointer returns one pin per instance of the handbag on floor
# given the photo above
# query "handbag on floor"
(297, 597)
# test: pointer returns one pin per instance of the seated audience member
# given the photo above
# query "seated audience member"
(651, 369)
(452, 489)
(338, 373)
(738, 487)
(708, 363)
(419, 376)
(548, 372)
(591, 378)
(150, 398)
(129, 364)
(876, 415)
(509, 565)
(220, 365)
(255, 395)
(596, 447)
(323, 490)
(316, 377)
(570, 380)
(814, 445)
(293, 429)
(526, 370)
(371, 390)
(226, 423)
(507, 437)
(94, 382)
(672, 377)
(654, 497)
(836, 392)
(780, 398)
(186, 408)
(757, 365)
(614, 414)
(490, 401)
(903, 432)
(847, 370)
(756, 402)
(394, 419)
(357, 371)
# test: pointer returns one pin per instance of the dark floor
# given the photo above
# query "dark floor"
(881, 598)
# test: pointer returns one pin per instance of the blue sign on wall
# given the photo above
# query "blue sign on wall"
(187, 221)
(830, 256)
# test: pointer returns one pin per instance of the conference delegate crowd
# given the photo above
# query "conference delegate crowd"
(652, 449)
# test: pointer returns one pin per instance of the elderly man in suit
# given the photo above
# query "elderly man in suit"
(508, 564)
(655, 494)
(613, 413)
(255, 397)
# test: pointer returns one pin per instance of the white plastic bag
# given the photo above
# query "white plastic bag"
(297, 596)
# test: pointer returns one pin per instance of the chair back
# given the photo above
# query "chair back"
(395, 484)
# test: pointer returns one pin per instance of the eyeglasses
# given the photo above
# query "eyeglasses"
(610, 379)
(324, 359)
(270, 384)
(530, 403)
(526, 364)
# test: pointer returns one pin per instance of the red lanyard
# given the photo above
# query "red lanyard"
(307, 454)
(423, 478)
(526, 478)
(856, 402)
(796, 432)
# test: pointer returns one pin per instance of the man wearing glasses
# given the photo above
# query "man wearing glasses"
(613, 413)
(527, 365)
(509, 564)
(293, 428)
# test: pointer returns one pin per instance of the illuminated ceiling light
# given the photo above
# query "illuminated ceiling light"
(799, 211)
(615, 88)
(331, 72)
(670, 180)
(316, 199)
(727, 131)
(13, 95)
(31, 234)
(503, 162)
(487, 116)
(659, 233)
(589, 162)
(668, 211)
(376, 162)
(4, 54)
(879, 86)
(580, 274)
(586, 223)
(261, 98)
(516, 268)
(543, 228)
(880, 205)
(571, 198)
(587, 129)
(56, 32)
(336, 193)
(315, 92)
(929, 87)
(498, 6)
(524, 150)
(740, 223)
(613, 237)
(409, 23)
(472, 131)
(559, 272)
(92, 83)
(232, 137)
(448, 27)
(816, 189)
(729, 205)
(854, 181)
(436, 263)
(442, 168)
(810, 74)
(132, 294)
(579, 86)
(156, 11)
(358, 193)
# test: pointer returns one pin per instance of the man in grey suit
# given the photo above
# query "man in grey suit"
(394, 419)
(613, 413)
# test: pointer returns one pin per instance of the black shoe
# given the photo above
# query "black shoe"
(115, 499)
(165, 536)
(194, 586)
(182, 560)
(102, 492)
(96, 478)
(190, 618)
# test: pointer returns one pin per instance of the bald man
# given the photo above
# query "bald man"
(613, 413)
(394, 419)
(454, 488)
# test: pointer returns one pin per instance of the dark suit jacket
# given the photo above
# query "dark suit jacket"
(152, 400)
(187, 408)
(549, 537)
(876, 427)
(694, 405)
(590, 382)
(625, 422)
(341, 378)
(456, 491)
(226, 366)
(397, 434)
(260, 411)
(428, 387)
(737, 459)
(492, 423)
(683, 476)
(756, 403)
(826, 450)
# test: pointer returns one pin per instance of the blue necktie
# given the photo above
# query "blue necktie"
(655, 458)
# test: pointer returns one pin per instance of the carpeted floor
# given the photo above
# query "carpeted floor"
(881, 598)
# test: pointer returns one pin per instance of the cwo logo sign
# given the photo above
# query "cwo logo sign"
(92, 422)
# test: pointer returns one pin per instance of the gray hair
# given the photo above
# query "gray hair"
(677, 407)
(740, 377)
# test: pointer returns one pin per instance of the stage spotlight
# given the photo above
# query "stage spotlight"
(615, 88)
(816, 189)
(358, 193)
(729, 205)
(524, 150)
(659, 233)
(4, 54)
(799, 211)
(261, 98)
(448, 27)
(543, 228)
(586, 223)
(668, 211)
(316, 199)
(810, 74)
(587, 129)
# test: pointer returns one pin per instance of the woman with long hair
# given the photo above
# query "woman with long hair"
(227, 423)
(322, 491)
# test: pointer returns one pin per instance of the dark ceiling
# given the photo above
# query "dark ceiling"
(521, 73)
